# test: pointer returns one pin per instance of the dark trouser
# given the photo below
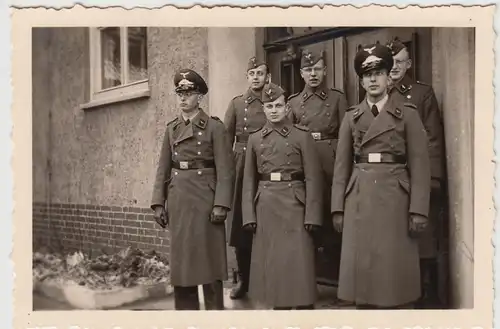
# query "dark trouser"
(429, 283)
(373, 307)
(186, 298)
(243, 259)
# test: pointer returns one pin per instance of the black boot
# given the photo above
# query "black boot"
(243, 259)
(213, 296)
(428, 276)
(186, 298)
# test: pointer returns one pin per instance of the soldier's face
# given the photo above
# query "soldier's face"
(275, 111)
(188, 101)
(257, 77)
(314, 75)
(402, 63)
(375, 82)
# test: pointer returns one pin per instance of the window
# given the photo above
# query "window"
(118, 64)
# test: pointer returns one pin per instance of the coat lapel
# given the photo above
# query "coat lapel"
(183, 131)
(381, 124)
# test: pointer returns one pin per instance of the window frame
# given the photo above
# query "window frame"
(123, 92)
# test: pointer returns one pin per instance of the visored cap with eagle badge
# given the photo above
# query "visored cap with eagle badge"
(189, 80)
(310, 58)
(371, 57)
(255, 62)
(271, 92)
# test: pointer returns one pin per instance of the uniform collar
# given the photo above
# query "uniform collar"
(200, 119)
(404, 85)
(251, 95)
(190, 116)
(320, 91)
(380, 104)
(283, 128)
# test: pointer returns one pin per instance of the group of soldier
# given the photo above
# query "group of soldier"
(281, 177)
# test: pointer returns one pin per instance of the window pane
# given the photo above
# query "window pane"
(137, 54)
(111, 57)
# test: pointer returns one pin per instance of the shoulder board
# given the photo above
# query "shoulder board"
(422, 83)
(256, 130)
(337, 90)
(172, 121)
(216, 118)
(413, 106)
(301, 127)
(349, 109)
(293, 95)
(237, 96)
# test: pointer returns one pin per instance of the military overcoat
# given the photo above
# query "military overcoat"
(244, 115)
(380, 261)
(197, 246)
(422, 95)
(322, 111)
(282, 268)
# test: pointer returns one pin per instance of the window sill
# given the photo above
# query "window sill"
(115, 99)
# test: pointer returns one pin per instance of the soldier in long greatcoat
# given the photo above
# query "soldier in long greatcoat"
(380, 191)
(282, 205)
(321, 109)
(244, 115)
(422, 95)
(192, 194)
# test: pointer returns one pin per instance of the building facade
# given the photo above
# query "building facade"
(102, 97)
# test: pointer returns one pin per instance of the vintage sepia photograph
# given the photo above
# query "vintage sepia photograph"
(307, 164)
(154, 151)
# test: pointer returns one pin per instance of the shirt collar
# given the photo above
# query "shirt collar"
(380, 104)
(190, 116)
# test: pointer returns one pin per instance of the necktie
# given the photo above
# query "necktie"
(374, 110)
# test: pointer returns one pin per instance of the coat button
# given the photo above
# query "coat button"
(246, 109)
(175, 153)
(199, 153)
(176, 173)
(245, 119)
(200, 133)
(199, 172)
(289, 185)
(244, 148)
(199, 143)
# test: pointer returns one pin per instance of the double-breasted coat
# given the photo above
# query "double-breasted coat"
(322, 110)
(195, 173)
(282, 268)
(244, 115)
(379, 261)
(422, 95)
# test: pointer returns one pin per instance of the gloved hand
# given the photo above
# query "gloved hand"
(252, 227)
(311, 228)
(338, 222)
(417, 225)
(161, 216)
(218, 215)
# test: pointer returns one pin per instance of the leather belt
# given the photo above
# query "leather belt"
(193, 164)
(322, 136)
(380, 158)
(241, 138)
(282, 177)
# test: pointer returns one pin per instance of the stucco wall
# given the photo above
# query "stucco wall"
(105, 156)
(453, 80)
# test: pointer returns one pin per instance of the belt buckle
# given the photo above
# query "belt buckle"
(316, 136)
(184, 164)
(275, 177)
(374, 157)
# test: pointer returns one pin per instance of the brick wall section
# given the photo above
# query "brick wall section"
(94, 229)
